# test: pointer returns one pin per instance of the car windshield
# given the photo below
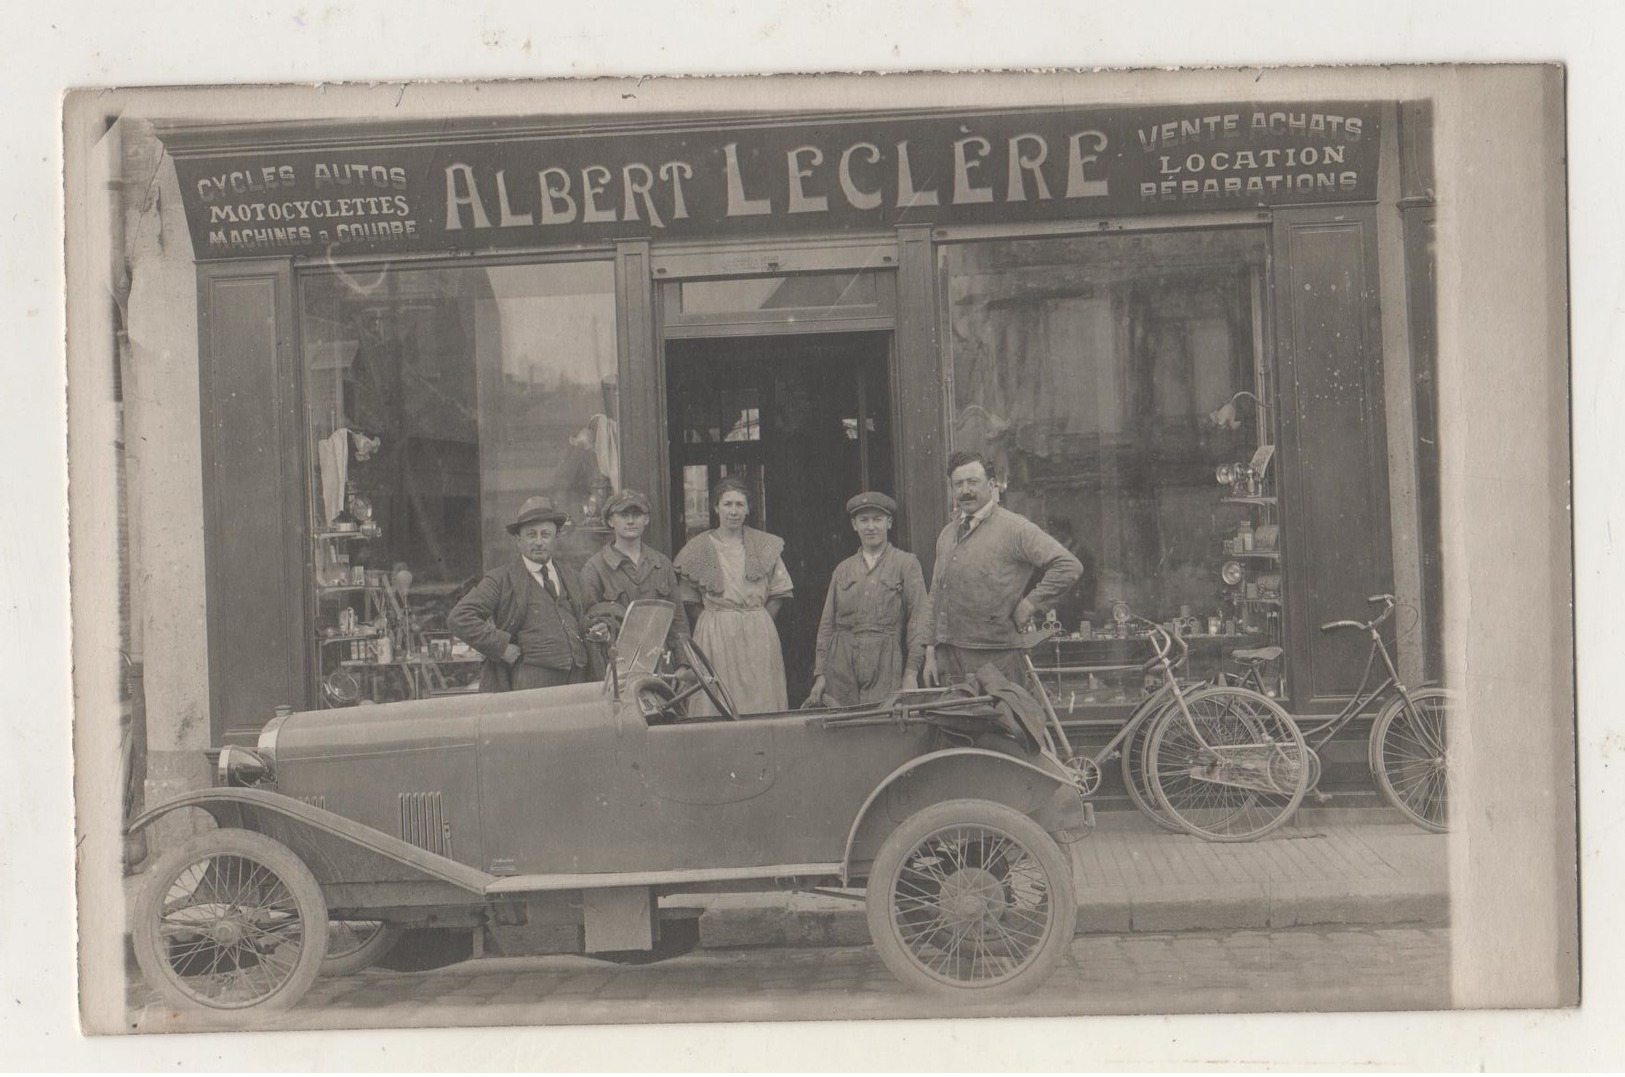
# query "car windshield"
(643, 637)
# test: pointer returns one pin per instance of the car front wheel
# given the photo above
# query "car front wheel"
(230, 921)
(970, 898)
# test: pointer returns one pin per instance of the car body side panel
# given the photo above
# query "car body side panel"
(778, 790)
(554, 796)
(406, 769)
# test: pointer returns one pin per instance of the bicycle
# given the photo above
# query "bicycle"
(1407, 750)
(1127, 747)
(1226, 763)
(1247, 719)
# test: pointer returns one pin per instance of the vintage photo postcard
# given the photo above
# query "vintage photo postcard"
(821, 548)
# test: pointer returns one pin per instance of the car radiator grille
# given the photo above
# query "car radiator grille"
(424, 824)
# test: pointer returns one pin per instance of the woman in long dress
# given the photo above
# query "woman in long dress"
(736, 574)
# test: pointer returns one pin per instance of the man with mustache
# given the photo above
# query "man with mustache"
(525, 616)
(980, 598)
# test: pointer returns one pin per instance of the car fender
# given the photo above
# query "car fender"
(953, 773)
(343, 855)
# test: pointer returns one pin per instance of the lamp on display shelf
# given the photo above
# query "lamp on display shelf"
(1241, 479)
(1225, 417)
(1246, 479)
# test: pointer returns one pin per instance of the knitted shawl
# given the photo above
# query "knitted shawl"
(699, 563)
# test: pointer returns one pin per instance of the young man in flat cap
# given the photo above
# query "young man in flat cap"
(525, 617)
(871, 639)
(627, 570)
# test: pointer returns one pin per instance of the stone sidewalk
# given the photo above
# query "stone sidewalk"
(1132, 877)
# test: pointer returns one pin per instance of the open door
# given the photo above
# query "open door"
(805, 421)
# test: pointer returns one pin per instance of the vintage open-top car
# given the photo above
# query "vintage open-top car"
(586, 804)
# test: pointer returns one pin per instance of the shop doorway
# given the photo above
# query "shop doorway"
(806, 421)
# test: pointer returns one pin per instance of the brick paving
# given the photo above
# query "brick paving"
(1190, 972)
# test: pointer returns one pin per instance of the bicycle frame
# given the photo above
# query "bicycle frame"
(1113, 747)
(1362, 700)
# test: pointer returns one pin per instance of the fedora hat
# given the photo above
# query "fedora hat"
(537, 508)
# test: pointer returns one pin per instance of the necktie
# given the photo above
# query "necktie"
(964, 526)
(547, 582)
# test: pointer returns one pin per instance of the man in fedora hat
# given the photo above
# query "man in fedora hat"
(525, 617)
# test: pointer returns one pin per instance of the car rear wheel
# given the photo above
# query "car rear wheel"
(353, 945)
(228, 922)
(970, 898)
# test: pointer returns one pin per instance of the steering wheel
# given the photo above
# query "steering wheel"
(714, 689)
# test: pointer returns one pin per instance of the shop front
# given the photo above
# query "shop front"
(1179, 334)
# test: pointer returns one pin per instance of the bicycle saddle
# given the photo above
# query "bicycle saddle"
(1257, 654)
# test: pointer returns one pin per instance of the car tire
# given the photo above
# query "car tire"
(230, 921)
(972, 899)
(353, 945)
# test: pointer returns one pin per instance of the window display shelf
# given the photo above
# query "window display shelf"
(1257, 500)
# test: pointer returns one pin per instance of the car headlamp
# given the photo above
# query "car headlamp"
(241, 767)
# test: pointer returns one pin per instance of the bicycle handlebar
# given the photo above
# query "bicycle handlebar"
(1366, 626)
(1162, 641)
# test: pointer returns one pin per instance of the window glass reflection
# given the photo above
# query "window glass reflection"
(1099, 375)
(438, 400)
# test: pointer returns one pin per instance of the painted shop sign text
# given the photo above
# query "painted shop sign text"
(537, 189)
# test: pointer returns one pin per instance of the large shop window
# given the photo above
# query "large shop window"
(1101, 376)
(439, 400)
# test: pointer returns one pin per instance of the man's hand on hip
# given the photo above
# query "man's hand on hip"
(1025, 611)
(511, 653)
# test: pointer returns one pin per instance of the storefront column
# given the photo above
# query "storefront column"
(165, 488)
(254, 518)
(918, 392)
(643, 433)
(1333, 455)
(1400, 398)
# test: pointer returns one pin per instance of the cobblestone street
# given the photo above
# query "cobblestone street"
(1303, 969)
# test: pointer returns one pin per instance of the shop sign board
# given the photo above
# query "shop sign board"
(385, 193)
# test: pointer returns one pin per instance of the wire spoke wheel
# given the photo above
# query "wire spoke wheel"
(1235, 769)
(229, 921)
(970, 896)
(1410, 759)
(353, 945)
(1136, 777)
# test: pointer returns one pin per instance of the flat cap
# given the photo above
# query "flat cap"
(871, 499)
(623, 500)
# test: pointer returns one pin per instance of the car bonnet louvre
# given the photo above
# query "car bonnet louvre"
(424, 822)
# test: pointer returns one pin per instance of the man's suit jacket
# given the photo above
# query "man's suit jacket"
(496, 612)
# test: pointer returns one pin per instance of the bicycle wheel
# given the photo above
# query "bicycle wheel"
(1235, 769)
(1409, 759)
(1136, 780)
